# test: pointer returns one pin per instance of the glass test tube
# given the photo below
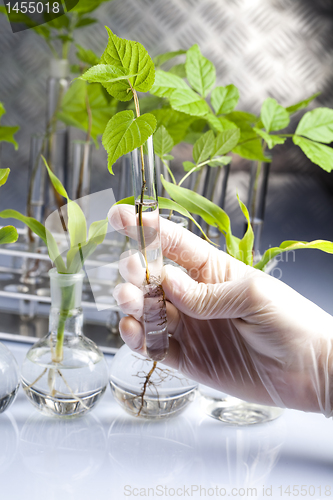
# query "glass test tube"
(154, 318)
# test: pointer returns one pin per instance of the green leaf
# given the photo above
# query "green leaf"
(246, 131)
(214, 122)
(302, 104)
(78, 254)
(241, 116)
(251, 150)
(124, 133)
(246, 243)
(77, 224)
(273, 115)
(271, 140)
(132, 55)
(163, 142)
(148, 103)
(179, 70)
(203, 148)
(74, 107)
(189, 102)
(219, 161)
(226, 124)
(86, 55)
(85, 21)
(286, 246)
(65, 38)
(168, 157)
(8, 234)
(163, 58)
(32, 223)
(54, 253)
(199, 205)
(55, 181)
(317, 125)
(200, 71)
(7, 134)
(166, 204)
(188, 165)
(176, 123)
(225, 99)
(57, 23)
(226, 141)
(318, 153)
(192, 137)
(166, 83)
(97, 231)
(4, 173)
(113, 78)
(105, 73)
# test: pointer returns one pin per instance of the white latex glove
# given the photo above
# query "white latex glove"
(232, 327)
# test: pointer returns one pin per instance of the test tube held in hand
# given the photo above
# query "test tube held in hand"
(154, 319)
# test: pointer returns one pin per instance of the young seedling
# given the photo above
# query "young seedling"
(70, 262)
(124, 70)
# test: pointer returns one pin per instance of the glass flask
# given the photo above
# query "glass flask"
(65, 374)
(144, 392)
(9, 378)
(234, 411)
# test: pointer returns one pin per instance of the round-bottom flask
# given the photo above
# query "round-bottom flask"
(9, 378)
(234, 411)
(146, 392)
(65, 374)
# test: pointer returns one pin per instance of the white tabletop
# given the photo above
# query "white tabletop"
(109, 455)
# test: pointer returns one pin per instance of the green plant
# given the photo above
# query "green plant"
(126, 68)
(216, 128)
(81, 247)
(313, 133)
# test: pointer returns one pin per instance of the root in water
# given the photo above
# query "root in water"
(145, 384)
(51, 384)
(162, 374)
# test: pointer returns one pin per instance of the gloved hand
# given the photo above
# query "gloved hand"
(232, 327)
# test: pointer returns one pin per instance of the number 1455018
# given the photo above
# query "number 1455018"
(34, 7)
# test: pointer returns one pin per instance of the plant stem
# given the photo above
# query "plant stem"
(86, 148)
(146, 382)
(255, 187)
(67, 297)
(169, 171)
(143, 188)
